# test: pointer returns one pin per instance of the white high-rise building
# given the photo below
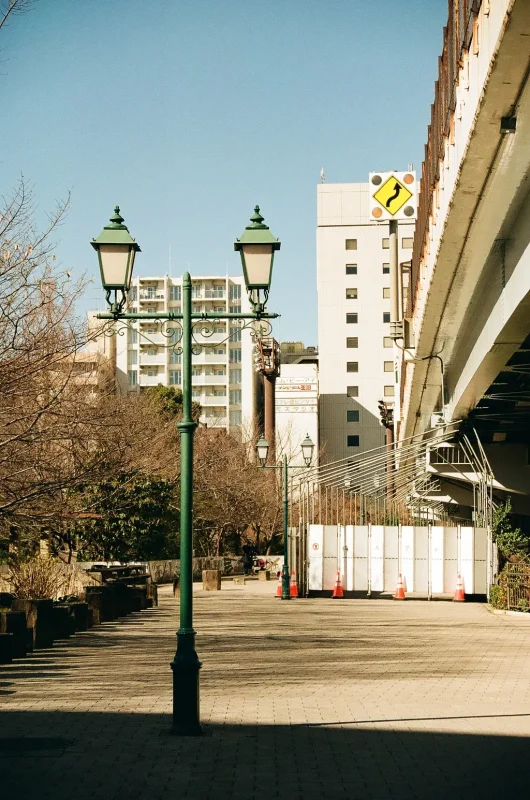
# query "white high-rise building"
(356, 353)
(222, 371)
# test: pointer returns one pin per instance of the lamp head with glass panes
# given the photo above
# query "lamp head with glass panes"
(116, 250)
(256, 247)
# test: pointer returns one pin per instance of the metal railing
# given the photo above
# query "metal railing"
(457, 37)
(515, 580)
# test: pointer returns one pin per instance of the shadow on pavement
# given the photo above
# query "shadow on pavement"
(62, 755)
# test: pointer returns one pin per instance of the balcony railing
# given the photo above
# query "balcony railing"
(148, 296)
(150, 380)
(457, 37)
(208, 380)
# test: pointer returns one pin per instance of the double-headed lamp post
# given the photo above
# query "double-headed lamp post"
(116, 251)
(262, 448)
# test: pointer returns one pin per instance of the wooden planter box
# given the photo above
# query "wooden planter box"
(15, 622)
(6, 648)
(39, 617)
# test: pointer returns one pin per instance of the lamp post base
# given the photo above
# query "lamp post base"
(286, 583)
(186, 666)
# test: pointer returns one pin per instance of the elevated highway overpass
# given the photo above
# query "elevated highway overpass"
(469, 297)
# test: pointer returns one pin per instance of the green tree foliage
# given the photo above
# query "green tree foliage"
(510, 541)
(168, 401)
(137, 519)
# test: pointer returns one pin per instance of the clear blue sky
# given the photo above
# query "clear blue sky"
(188, 112)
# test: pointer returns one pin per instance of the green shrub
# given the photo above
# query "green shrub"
(497, 596)
(523, 605)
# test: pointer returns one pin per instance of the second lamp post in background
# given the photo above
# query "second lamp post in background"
(262, 449)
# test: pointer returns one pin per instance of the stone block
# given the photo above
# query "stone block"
(15, 622)
(264, 575)
(211, 580)
(6, 648)
(39, 617)
(239, 580)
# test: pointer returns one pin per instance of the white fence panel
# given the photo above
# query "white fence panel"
(377, 563)
(331, 557)
(360, 558)
(369, 558)
(467, 553)
(481, 566)
(391, 555)
(422, 570)
(451, 558)
(437, 560)
(316, 558)
(407, 557)
(350, 551)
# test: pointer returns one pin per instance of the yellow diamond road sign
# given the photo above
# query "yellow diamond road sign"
(392, 195)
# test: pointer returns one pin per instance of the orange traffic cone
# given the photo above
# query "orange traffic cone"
(460, 594)
(400, 589)
(338, 590)
(279, 586)
(293, 589)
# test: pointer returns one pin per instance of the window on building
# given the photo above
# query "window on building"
(389, 366)
(352, 341)
(386, 293)
(352, 391)
(235, 376)
(175, 377)
(175, 293)
(352, 416)
(133, 294)
(407, 242)
(389, 391)
(219, 392)
(386, 316)
(235, 334)
(219, 309)
(218, 371)
(351, 269)
(385, 243)
(174, 358)
(132, 376)
(233, 309)
(235, 356)
(195, 371)
(351, 319)
(386, 269)
(387, 341)
(133, 336)
(235, 292)
(151, 351)
(219, 351)
(195, 392)
(235, 397)
(351, 294)
(236, 418)
(353, 441)
(352, 366)
(151, 373)
(132, 357)
(351, 244)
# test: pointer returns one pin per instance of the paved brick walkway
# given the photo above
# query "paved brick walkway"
(308, 699)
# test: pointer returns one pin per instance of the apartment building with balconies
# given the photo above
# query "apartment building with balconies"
(222, 367)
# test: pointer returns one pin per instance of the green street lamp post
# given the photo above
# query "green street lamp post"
(262, 448)
(116, 251)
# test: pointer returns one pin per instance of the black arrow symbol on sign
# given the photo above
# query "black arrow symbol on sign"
(397, 189)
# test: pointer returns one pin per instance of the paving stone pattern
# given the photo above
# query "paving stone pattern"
(307, 699)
